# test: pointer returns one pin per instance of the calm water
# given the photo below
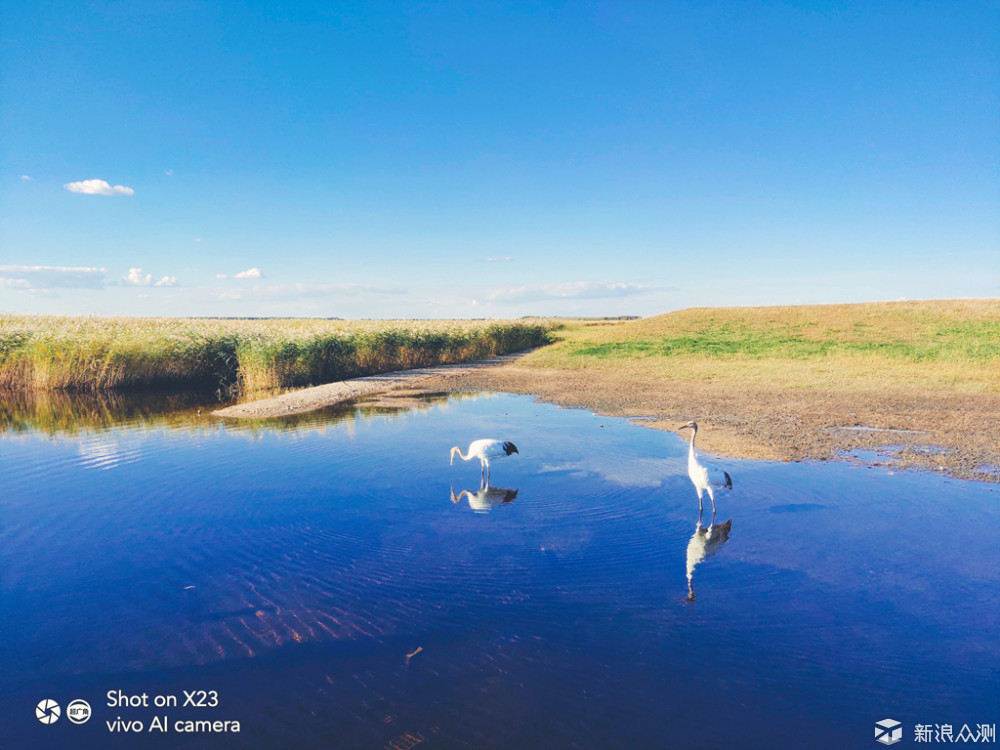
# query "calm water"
(319, 576)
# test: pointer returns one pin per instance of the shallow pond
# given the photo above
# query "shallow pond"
(330, 580)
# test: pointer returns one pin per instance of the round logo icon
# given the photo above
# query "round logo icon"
(47, 711)
(78, 711)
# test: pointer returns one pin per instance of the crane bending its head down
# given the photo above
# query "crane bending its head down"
(705, 477)
(485, 450)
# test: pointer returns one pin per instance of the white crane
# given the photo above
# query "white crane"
(485, 450)
(703, 476)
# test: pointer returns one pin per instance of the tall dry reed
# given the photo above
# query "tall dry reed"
(95, 354)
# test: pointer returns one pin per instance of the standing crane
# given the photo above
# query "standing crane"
(485, 450)
(705, 477)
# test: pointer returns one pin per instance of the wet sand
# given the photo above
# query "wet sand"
(942, 431)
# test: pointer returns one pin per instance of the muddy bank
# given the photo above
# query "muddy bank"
(947, 432)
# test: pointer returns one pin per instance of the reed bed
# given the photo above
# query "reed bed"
(45, 353)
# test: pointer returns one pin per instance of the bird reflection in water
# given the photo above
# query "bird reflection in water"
(704, 543)
(487, 497)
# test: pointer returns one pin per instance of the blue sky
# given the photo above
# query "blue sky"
(455, 159)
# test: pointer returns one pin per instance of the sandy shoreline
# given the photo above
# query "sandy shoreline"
(310, 399)
(946, 432)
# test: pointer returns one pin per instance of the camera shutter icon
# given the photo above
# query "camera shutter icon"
(47, 711)
(888, 731)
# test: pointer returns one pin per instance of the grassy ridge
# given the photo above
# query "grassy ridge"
(61, 353)
(936, 343)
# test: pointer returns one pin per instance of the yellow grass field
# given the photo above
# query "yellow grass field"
(949, 345)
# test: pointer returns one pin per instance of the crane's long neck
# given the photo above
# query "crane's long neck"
(691, 450)
(458, 450)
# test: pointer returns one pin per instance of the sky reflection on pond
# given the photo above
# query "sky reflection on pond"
(296, 567)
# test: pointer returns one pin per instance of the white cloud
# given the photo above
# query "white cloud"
(504, 259)
(26, 178)
(250, 273)
(39, 279)
(137, 277)
(168, 172)
(97, 187)
(571, 290)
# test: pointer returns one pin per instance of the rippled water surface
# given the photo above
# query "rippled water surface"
(340, 585)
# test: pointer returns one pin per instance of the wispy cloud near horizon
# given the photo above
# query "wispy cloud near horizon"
(40, 279)
(572, 290)
(282, 292)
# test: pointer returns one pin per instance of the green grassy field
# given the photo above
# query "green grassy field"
(237, 355)
(974, 341)
(954, 343)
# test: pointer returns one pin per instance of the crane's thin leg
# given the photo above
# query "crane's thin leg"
(712, 496)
